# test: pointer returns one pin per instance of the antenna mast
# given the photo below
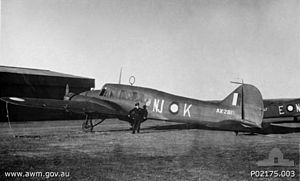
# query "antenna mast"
(120, 75)
(243, 111)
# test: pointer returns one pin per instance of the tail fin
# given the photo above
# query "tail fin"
(248, 99)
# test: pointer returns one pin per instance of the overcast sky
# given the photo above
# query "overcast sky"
(187, 47)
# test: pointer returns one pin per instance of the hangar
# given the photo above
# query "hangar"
(38, 83)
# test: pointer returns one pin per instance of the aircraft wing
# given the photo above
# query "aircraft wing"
(89, 105)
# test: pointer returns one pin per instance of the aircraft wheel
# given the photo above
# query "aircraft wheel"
(266, 125)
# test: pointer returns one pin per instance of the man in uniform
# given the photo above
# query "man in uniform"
(135, 116)
(143, 117)
(144, 113)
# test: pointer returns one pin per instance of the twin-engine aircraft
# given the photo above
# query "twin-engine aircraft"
(242, 110)
(281, 108)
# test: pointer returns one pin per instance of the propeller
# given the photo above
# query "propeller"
(68, 95)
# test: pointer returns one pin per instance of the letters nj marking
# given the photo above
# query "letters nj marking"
(158, 106)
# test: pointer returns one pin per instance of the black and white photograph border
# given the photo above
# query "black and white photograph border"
(219, 81)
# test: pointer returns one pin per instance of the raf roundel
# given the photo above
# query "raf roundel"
(290, 108)
(174, 108)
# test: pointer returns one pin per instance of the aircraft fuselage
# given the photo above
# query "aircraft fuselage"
(169, 107)
(276, 108)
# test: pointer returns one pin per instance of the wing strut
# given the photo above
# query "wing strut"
(7, 115)
(88, 125)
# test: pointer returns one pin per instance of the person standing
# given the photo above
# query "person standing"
(144, 113)
(143, 117)
(135, 116)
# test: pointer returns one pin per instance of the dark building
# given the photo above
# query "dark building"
(36, 83)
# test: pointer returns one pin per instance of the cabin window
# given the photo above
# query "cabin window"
(109, 93)
(106, 94)
(122, 94)
(141, 97)
(134, 96)
(137, 96)
(125, 95)
(129, 95)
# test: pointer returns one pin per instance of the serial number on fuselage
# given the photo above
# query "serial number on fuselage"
(224, 111)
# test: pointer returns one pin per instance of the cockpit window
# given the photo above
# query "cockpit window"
(102, 92)
(122, 94)
(125, 95)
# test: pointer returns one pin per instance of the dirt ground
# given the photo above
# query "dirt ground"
(162, 151)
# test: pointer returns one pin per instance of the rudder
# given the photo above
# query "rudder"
(249, 100)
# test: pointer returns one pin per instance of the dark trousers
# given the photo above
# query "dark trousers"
(136, 125)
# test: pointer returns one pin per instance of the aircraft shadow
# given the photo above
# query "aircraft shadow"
(271, 129)
(177, 127)
(161, 128)
(278, 129)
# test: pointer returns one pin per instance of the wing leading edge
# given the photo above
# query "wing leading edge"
(90, 105)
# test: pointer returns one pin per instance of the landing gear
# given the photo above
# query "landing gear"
(266, 125)
(88, 125)
(236, 133)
